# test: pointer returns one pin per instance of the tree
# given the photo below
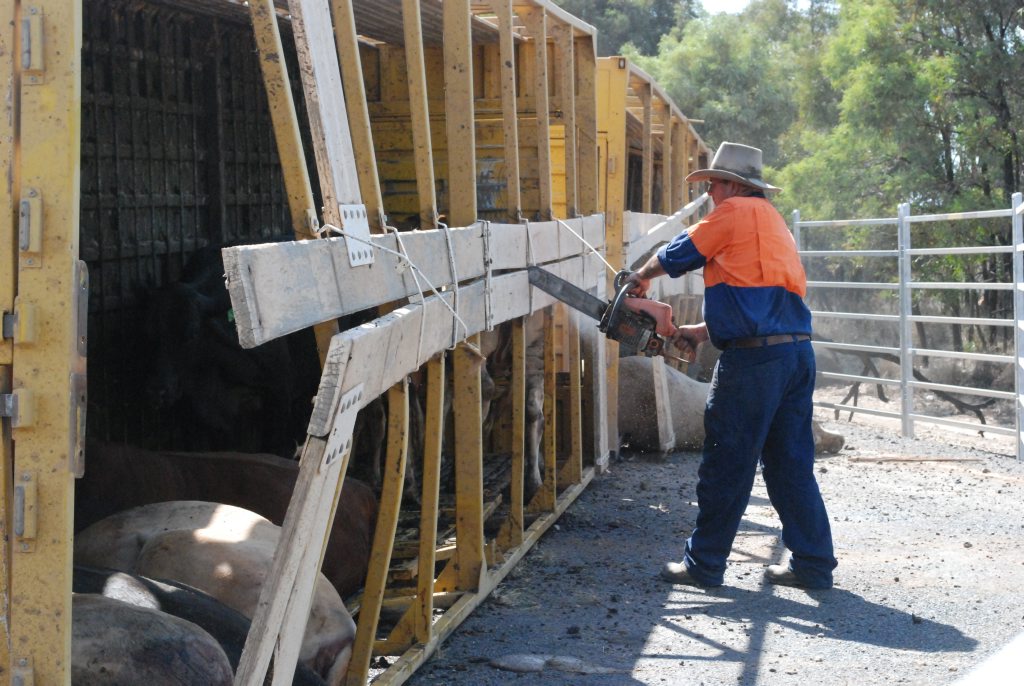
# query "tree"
(639, 22)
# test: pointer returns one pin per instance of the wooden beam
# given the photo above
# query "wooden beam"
(278, 288)
(325, 103)
(419, 110)
(662, 405)
(322, 466)
(509, 109)
(289, 141)
(460, 122)
(347, 46)
(469, 523)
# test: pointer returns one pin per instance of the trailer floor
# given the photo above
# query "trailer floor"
(928, 585)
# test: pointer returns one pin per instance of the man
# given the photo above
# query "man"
(759, 404)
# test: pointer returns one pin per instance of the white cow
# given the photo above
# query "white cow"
(638, 417)
(224, 551)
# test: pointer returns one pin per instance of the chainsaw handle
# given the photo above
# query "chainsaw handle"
(620, 279)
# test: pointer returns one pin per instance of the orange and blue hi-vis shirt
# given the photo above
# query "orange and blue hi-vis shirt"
(754, 282)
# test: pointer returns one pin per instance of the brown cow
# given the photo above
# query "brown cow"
(224, 551)
(119, 477)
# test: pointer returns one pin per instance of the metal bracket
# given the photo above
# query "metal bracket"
(488, 261)
(33, 46)
(355, 223)
(82, 307)
(19, 407)
(30, 229)
(339, 440)
(10, 324)
(22, 673)
(26, 507)
(77, 408)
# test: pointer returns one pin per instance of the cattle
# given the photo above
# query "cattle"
(225, 397)
(227, 626)
(638, 419)
(115, 643)
(118, 477)
(224, 551)
(496, 346)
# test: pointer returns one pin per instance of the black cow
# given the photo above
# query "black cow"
(227, 397)
(228, 627)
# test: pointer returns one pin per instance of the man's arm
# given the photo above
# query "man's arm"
(641, 278)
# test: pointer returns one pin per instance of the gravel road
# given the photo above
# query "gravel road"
(928, 534)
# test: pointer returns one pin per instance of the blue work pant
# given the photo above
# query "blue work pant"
(759, 406)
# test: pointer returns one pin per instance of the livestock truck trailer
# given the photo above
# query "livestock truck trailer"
(264, 228)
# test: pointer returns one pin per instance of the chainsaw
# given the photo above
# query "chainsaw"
(638, 324)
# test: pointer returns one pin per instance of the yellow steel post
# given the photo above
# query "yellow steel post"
(647, 178)
(419, 111)
(511, 534)
(667, 206)
(614, 81)
(417, 622)
(47, 142)
(563, 38)
(289, 141)
(509, 110)
(459, 113)
(572, 470)
(544, 500)
(469, 566)
(535, 20)
(347, 44)
(678, 165)
(8, 267)
(384, 534)
(586, 119)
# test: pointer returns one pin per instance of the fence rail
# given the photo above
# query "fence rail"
(905, 287)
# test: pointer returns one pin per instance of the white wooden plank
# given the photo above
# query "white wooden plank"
(279, 288)
(325, 101)
(390, 347)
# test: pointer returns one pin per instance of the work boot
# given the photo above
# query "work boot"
(677, 573)
(782, 575)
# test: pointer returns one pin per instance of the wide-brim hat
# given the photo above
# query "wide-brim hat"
(735, 162)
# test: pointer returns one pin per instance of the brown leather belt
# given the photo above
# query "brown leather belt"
(762, 341)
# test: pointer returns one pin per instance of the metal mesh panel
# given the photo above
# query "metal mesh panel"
(178, 153)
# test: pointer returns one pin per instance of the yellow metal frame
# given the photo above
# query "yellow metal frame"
(49, 279)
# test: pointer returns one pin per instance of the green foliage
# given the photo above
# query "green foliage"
(640, 23)
(860, 105)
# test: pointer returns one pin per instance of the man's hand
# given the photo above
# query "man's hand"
(638, 285)
(687, 338)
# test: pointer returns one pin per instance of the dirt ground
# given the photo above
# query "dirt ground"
(928, 535)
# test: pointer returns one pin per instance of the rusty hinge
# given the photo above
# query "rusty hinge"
(30, 228)
(26, 511)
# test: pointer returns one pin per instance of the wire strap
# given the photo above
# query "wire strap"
(454, 284)
(488, 261)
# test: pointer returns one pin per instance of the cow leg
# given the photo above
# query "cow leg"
(534, 434)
